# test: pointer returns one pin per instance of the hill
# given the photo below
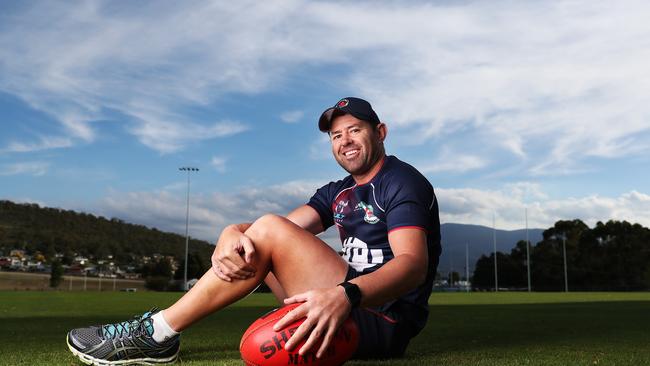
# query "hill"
(455, 237)
(52, 230)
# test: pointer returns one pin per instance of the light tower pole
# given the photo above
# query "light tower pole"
(527, 251)
(494, 239)
(563, 237)
(566, 278)
(467, 265)
(187, 220)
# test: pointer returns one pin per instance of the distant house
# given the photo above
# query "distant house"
(119, 272)
(173, 262)
(80, 260)
(35, 266)
(76, 269)
(16, 265)
(17, 253)
(132, 276)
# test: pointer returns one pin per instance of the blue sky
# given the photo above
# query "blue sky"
(502, 105)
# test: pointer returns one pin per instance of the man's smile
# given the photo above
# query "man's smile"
(349, 154)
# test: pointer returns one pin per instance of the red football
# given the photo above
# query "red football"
(262, 346)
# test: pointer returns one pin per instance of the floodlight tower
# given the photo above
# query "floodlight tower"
(527, 251)
(566, 279)
(467, 265)
(494, 240)
(187, 220)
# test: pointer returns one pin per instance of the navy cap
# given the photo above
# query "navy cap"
(356, 107)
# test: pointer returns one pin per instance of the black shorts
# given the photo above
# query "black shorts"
(383, 333)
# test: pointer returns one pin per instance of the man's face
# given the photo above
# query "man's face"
(356, 144)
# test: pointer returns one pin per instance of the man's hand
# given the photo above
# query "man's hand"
(325, 310)
(233, 255)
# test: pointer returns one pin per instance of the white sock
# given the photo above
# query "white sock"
(161, 329)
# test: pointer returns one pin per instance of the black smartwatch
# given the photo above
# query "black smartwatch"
(352, 292)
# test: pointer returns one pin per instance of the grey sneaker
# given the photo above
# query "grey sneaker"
(124, 343)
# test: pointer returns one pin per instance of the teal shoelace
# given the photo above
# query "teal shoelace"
(139, 324)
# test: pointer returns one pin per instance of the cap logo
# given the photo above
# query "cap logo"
(342, 103)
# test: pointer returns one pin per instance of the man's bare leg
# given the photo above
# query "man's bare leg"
(298, 260)
(275, 287)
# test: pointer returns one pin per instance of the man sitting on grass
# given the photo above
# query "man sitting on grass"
(386, 213)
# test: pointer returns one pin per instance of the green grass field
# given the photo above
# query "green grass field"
(463, 329)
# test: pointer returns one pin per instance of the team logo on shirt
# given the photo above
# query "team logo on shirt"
(338, 211)
(369, 215)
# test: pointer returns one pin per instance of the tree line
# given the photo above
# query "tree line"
(612, 256)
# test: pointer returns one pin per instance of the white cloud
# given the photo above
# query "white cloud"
(209, 213)
(292, 116)
(475, 206)
(78, 126)
(34, 168)
(448, 161)
(552, 83)
(146, 65)
(168, 137)
(44, 143)
(219, 163)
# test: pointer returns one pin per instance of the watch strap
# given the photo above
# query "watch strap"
(352, 292)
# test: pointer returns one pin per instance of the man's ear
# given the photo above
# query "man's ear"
(382, 130)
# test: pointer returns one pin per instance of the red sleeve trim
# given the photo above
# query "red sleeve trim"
(408, 227)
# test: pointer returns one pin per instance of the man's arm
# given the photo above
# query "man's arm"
(307, 218)
(406, 271)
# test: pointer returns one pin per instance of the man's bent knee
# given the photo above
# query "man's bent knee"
(269, 226)
(271, 219)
